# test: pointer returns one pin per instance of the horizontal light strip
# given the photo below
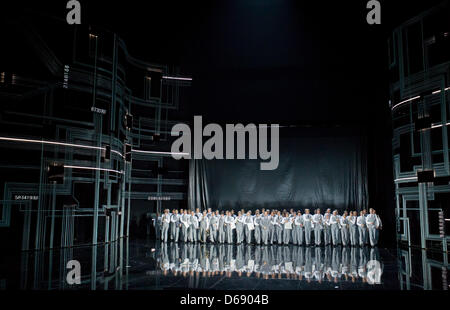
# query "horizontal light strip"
(438, 91)
(93, 168)
(158, 152)
(439, 125)
(57, 143)
(405, 101)
(117, 152)
(176, 78)
(417, 97)
(404, 179)
(51, 143)
(86, 146)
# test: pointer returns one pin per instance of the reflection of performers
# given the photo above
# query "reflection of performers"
(332, 264)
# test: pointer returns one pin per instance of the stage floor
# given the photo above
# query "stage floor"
(146, 264)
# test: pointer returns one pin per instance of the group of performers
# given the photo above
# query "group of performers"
(270, 227)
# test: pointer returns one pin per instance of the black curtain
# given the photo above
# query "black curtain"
(198, 195)
(316, 170)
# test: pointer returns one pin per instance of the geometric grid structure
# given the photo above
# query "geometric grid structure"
(419, 90)
(84, 132)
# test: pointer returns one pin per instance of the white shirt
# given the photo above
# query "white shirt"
(307, 217)
(361, 220)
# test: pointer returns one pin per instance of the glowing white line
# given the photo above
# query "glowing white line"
(158, 152)
(439, 125)
(52, 143)
(438, 91)
(93, 168)
(57, 143)
(117, 152)
(402, 179)
(176, 78)
(404, 101)
(417, 97)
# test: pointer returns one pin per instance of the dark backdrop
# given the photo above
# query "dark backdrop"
(318, 168)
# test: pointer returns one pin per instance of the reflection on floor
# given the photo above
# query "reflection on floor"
(328, 266)
(145, 264)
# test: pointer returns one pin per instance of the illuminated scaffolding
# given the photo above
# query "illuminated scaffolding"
(94, 138)
(419, 90)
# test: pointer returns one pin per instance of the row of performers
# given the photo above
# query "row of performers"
(272, 262)
(270, 227)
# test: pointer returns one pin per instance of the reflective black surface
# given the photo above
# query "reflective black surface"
(147, 264)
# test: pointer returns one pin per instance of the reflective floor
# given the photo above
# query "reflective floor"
(147, 264)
